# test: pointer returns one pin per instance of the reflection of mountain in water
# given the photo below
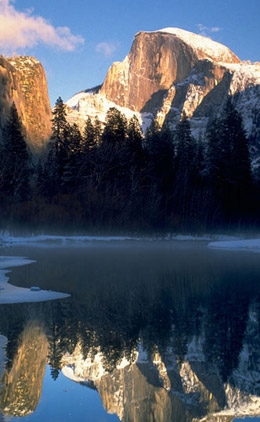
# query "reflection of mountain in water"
(161, 343)
(167, 389)
(22, 382)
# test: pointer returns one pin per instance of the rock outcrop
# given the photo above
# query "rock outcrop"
(23, 81)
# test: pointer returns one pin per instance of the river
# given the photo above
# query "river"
(153, 330)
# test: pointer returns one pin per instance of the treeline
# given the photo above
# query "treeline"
(113, 177)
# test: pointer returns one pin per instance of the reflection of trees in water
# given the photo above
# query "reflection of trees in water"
(62, 333)
(12, 320)
(165, 311)
(227, 317)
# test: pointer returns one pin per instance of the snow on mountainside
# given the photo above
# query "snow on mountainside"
(245, 89)
(89, 104)
(92, 104)
(204, 46)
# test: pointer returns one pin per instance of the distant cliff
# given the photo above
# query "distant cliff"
(23, 81)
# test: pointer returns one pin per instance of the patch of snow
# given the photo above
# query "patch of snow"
(13, 261)
(90, 104)
(189, 237)
(142, 356)
(12, 294)
(242, 245)
(244, 75)
(69, 372)
(75, 367)
(245, 89)
(202, 44)
(73, 101)
(123, 364)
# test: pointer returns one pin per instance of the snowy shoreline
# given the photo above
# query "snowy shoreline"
(45, 240)
(13, 294)
(251, 245)
(215, 241)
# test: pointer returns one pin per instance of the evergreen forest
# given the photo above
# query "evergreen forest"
(112, 178)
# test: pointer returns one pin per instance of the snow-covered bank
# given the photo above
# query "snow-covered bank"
(12, 294)
(243, 244)
(56, 240)
(46, 240)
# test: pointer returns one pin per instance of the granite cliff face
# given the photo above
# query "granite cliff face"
(23, 81)
(158, 61)
(172, 71)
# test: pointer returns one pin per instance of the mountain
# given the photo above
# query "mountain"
(172, 71)
(23, 81)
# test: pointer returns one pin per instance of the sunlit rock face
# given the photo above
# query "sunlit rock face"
(171, 72)
(23, 81)
(158, 60)
(22, 383)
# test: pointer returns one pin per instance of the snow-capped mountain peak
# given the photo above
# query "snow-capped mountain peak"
(204, 46)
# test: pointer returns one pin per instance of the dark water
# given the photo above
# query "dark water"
(153, 331)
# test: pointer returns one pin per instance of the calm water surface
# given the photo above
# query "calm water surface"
(153, 331)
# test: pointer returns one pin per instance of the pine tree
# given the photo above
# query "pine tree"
(98, 131)
(72, 159)
(228, 163)
(160, 172)
(152, 137)
(185, 152)
(15, 161)
(134, 134)
(115, 130)
(89, 136)
(186, 170)
(57, 156)
(59, 121)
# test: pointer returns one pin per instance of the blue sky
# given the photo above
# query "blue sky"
(77, 41)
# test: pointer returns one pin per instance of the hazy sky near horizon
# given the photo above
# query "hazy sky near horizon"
(77, 41)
